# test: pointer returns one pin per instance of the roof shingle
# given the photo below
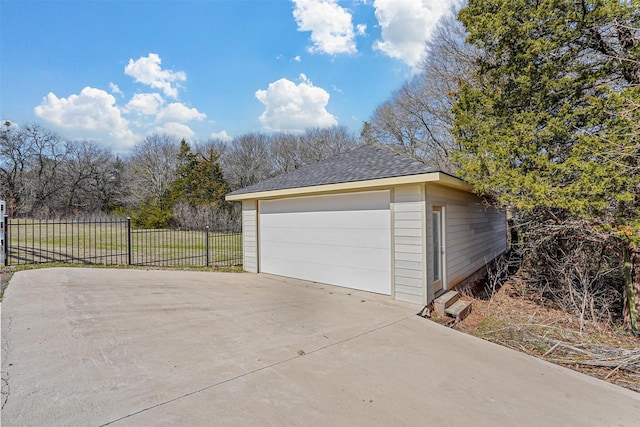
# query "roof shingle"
(360, 164)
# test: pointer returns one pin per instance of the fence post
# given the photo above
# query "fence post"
(128, 240)
(5, 234)
(207, 244)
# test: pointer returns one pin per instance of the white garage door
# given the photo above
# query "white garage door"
(340, 239)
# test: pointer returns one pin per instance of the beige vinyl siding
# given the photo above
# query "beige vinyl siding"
(475, 233)
(250, 236)
(408, 243)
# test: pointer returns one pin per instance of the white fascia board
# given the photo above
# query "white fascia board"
(433, 177)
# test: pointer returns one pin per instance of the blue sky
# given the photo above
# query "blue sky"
(116, 71)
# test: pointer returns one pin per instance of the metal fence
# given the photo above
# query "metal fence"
(114, 242)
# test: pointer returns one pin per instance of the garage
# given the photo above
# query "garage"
(341, 239)
(372, 220)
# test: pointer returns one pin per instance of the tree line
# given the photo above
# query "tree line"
(162, 182)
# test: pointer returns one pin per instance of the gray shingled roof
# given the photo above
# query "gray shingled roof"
(360, 164)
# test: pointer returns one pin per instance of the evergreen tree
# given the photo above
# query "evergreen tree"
(551, 120)
(199, 180)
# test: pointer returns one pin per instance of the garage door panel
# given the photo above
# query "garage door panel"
(316, 204)
(337, 239)
(367, 280)
(330, 220)
(343, 238)
(329, 255)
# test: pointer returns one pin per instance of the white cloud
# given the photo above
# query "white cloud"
(124, 139)
(145, 103)
(361, 29)
(222, 136)
(297, 58)
(115, 89)
(177, 112)
(406, 25)
(178, 130)
(291, 107)
(330, 25)
(92, 110)
(147, 70)
(104, 115)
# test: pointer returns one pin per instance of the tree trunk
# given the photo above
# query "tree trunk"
(632, 287)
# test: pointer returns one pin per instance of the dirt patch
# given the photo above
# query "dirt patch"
(511, 318)
(5, 275)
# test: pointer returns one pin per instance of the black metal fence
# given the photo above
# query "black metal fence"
(114, 242)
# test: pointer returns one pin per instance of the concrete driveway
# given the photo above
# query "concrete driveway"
(130, 347)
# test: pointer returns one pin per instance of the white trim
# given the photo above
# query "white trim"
(437, 251)
(437, 177)
(258, 248)
(425, 246)
(443, 236)
(392, 247)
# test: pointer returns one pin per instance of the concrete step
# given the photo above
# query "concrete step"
(459, 309)
(441, 303)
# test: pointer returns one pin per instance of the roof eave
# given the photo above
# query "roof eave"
(433, 177)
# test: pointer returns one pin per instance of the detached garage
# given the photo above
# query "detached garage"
(370, 220)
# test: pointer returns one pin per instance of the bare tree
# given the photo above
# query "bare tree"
(285, 152)
(151, 168)
(393, 127)
(92, 179)
(247, 160)
(417, 121)
(14, 156)
(320, 143)
(31, 168)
